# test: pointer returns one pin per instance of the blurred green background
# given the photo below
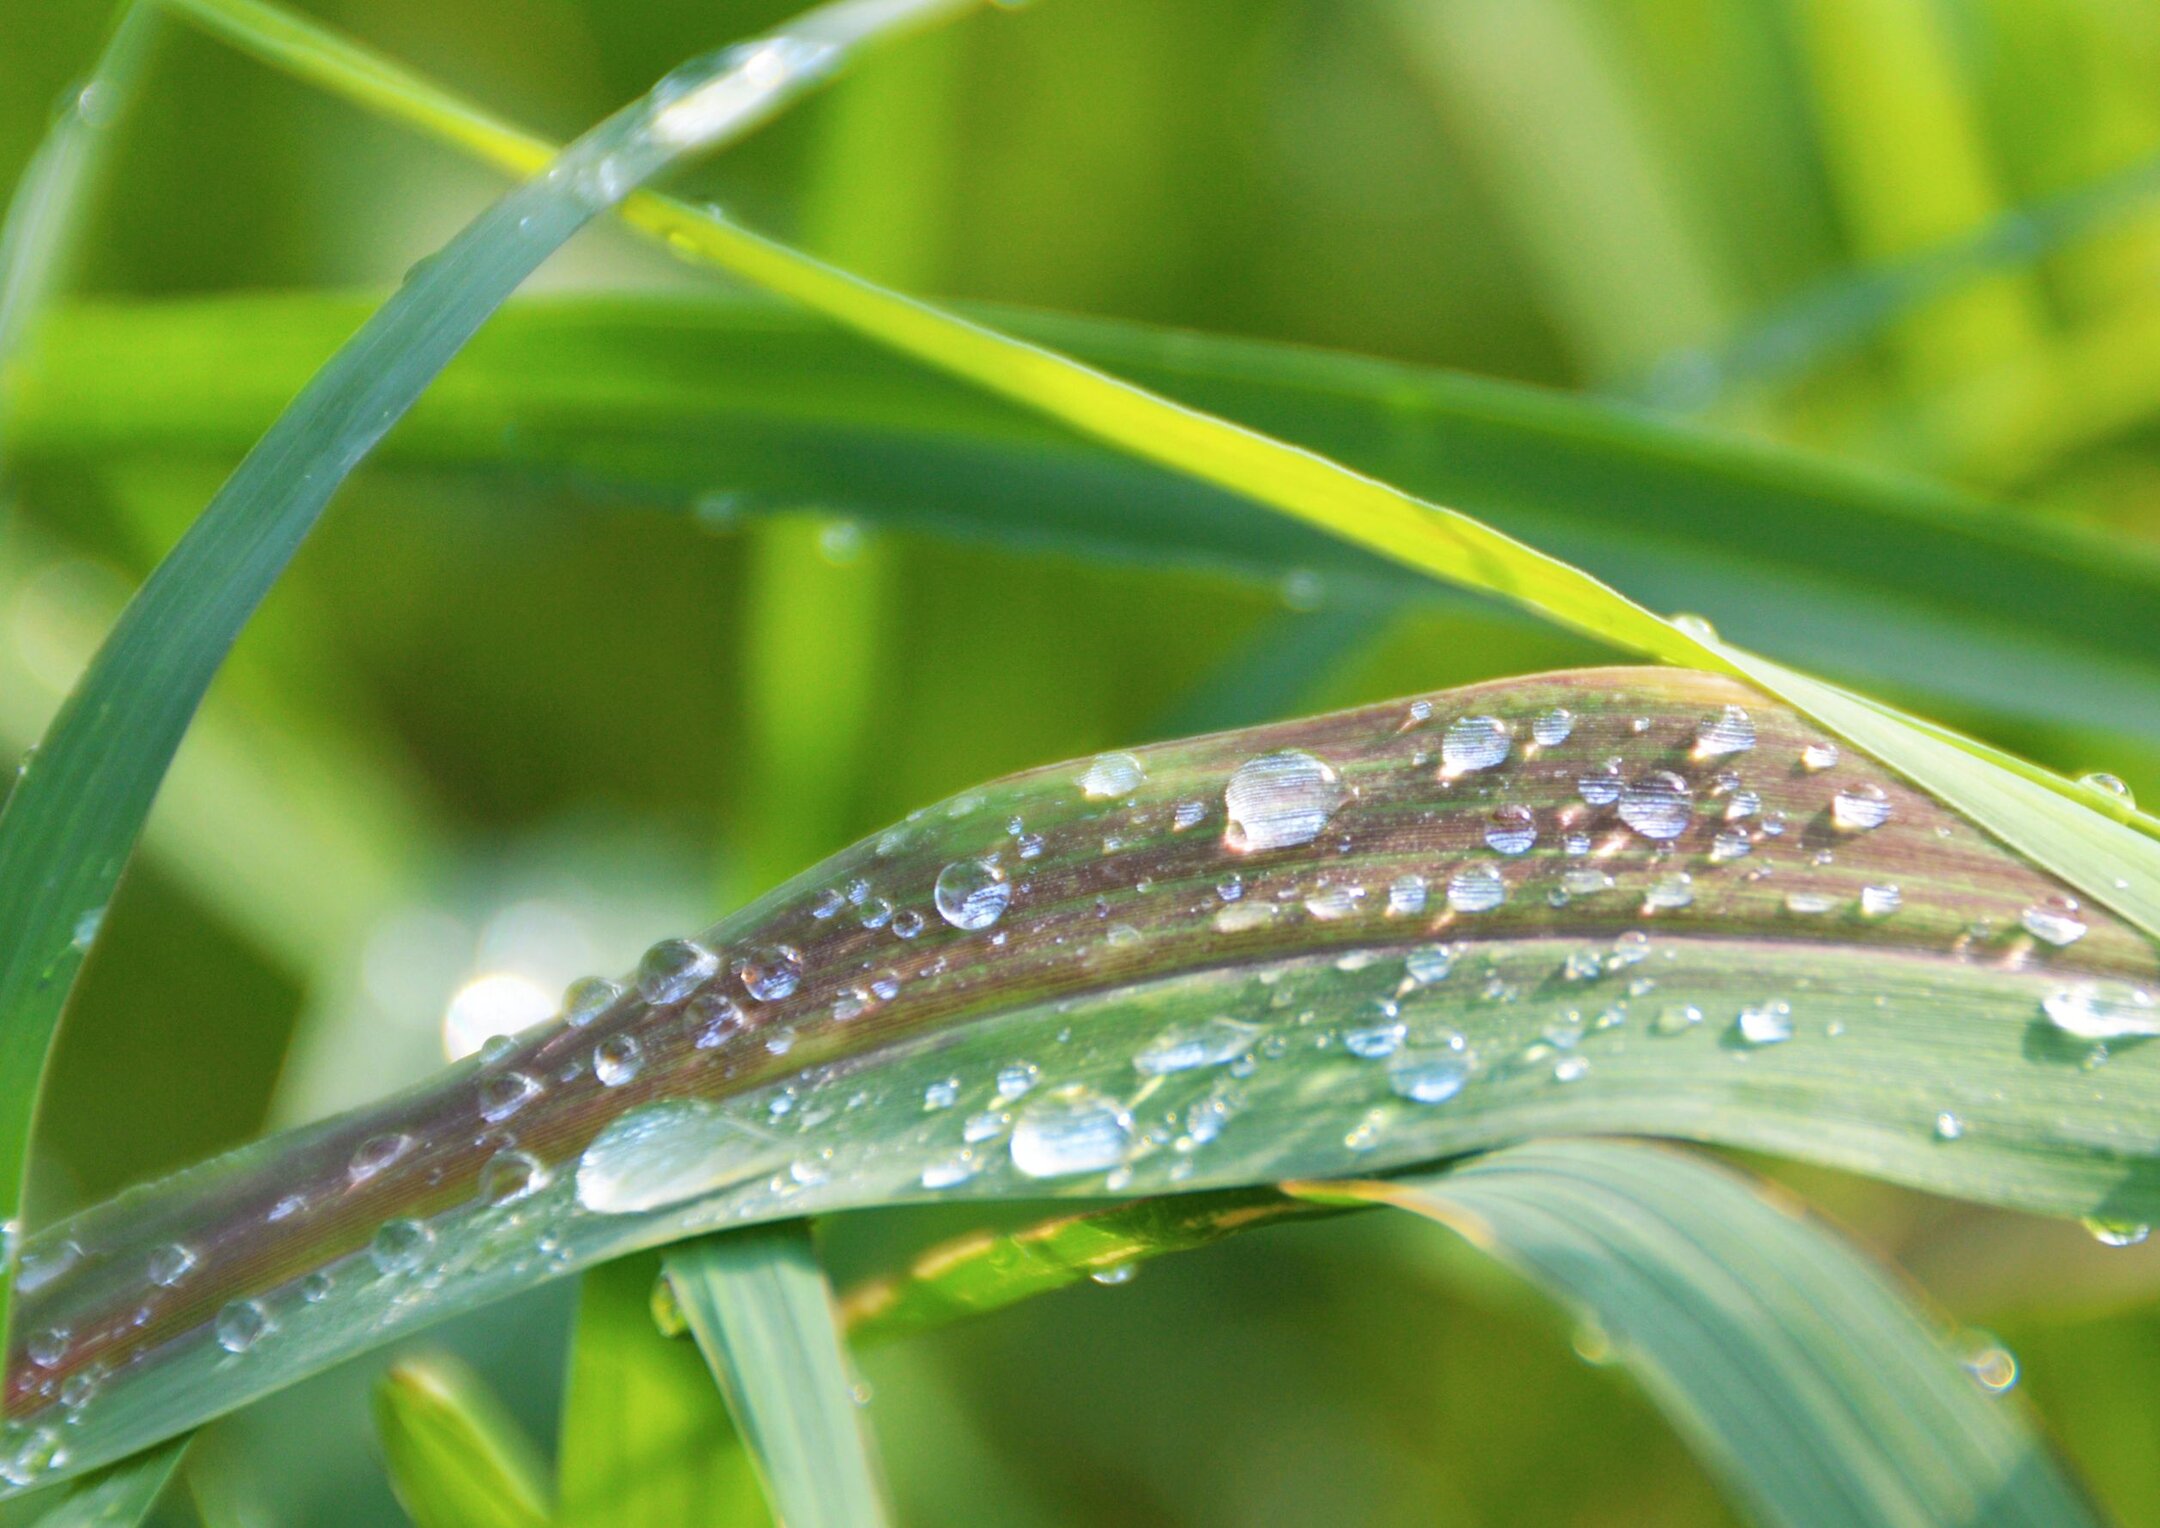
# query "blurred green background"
(501, 732)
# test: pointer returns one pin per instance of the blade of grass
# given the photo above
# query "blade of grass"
(455, 1457)
(761, 1310)
(1804, 1378)
(118, 1497)
(2114, 862)
(646, 1439)
(1162, 1003)
(73, 818)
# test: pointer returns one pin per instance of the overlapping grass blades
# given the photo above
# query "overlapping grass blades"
(72, 820)
(1501, 922)
(1798, 1372)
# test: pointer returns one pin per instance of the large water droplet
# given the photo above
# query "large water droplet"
(2099, 1010)
(1069, 1130)
(1859, 808)
(1658, 805)
(1511, 829)
(1184, 1047)
(587, 999)
(170, 1264)
(770, 972)
(1765, 1024)
(1279, 800)
(242, 1324)
(1730, 731)
(672, 970)
(2108, 785)
(1476, 889)
(669, 1153)
(1472, 743)
(617, 1060)
(972, 893)
(1112, 776)
(2056, 921)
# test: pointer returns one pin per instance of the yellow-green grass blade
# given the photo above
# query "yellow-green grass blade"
(456, 1458)
(1443, 542)
(72, 820)
(1334, 946)
(743, 408)
(646, 1440)
(1803, 1376)
(758, 1303)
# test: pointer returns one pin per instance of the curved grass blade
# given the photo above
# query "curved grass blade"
(2017, 801)
(456, 1458)
(118, 1497)
(646, 1440)
(72, 820)
(667, 397)
(758, 1303)
(1634, 900)
(1803, 1377)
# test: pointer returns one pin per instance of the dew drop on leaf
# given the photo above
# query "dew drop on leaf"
(1112, 777)
(1280, 800)
(972, 893)
(1069, 1130)
(1472, 743)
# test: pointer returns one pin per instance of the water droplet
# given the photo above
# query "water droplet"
(1730, 845)
(376, 1153)
(1429, 1076)
(1817, 757)
(587, 999)
(2108, 785)
(972, 894)
(1601, 786)
(671, 1153)
(1658, 805)
(1511, 830)
(1669, 892)
(770, 972)
(400, 1246)
(2102, 1011)
(1472, 743)
(617, 1060)
(1114, 1275)
(1585, 881)
(1016, 1078)
(950, 1173)
(1476, 889)
(1858, 808)
(1406, 896)
(170, 1264)
(1765, 1024)
(1280, 800)
(511, 1175)
(1676, 1019)
(502, 1096)
(1744, 804)
(1948, 1127)
(1069, 1130)
(906, 924)
(942, 1094)
(1809, 904)
(672, 969)
(709, 1018)
(2055, 921)
(49, 1347)
(1189, 814)
(1184, 1047)
(242, 1324)
(2113, 1232)
(1880, 901)
(1373, 1042)
(1429, 963)
(1571, 1069)
(87, 926)
(1112, 777)
(1553, 727)
(1729, 732)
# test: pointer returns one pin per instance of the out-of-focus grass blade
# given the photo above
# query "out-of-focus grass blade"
(72, 820)
(118, 1497)
(456, 1458)
(989, 1270)
(1627, 900)
(1804, 1378)
(758, 1303)
(2016, 805)
(742, 406)
(646, 1438)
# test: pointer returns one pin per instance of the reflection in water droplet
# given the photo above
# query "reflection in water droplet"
(1859, 808)
(1112, 776)
(1670, 892)
(1476, 889)
(1472, 743)
(1069, 1130)
(1765, 1024)
(972, 894)
(1406, 896)
(2115, 1232)
(770, 972)
(1948, 1127)
(1427, 1076)
(2102, 1011)
(2054, 920)
(1429, 963)
(1279, 800)
(400, 1246)
(241, 1325)
(672, 969)
(1730, 731)
(511, 1175)
(2108, 785)
(376, 1153)
(1817, 757)
(1511, 829)
(1658, 805)
(1880, 901)
(1552, 728)
(1601, 786)
(587, 999)
(502, 1096)
(170, 1264)
(617, 1060)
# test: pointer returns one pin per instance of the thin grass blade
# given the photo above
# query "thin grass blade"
(118, 1497)
(758, 1303)
(456, 1459)
(1806, 1380)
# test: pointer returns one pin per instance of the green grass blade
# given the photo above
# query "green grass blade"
(667, 398)
(72, 820)
(456, 1458)
(646, 1439)
(119, 1497)
(761, 1310)
(1162, 1002)
(1300, 484)
(1805, 1379)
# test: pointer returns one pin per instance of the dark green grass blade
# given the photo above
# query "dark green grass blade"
(758, 1304)
(456, 1458)
(1804, 1378)
(1162, 1005)
(741, 407)
(646, 1439)
(73, 818)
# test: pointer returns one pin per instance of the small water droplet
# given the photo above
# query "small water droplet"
(1017, 1078)
(1374, 1042)
(672, 969)
(1948, 1127)
(1472, 743)
(1765, 1024)
(1429, 963)
(2111, 1231)
(170, 1264)
(49, 1347)
(400, 1246)
(770, 972)
(2108, 785)
(1406, 896)
(503, 1095)
(375, 1154)
(617, 1060)
(242, 1324)
(1571, 1069)
(1729, 732)
(1112, 777)
(87, 926)
(1730, 845)
(942, 1094)
(1817, 757)
(1552, 728)
(1880, 901)
(1601, 786)
(1809, 904)
(1676, 1019)
(1859, 808)
(1476, 889)
(587, 999)
(1189, 814)
(1429, 1075)
(1669, 892)
(2056, 921)
(1069, 1130)
(1511, 830)
(709, 1018)
(1114, 1275)
(1280, 800)
(1744, 804)
(1585, 881)
(509, 1176)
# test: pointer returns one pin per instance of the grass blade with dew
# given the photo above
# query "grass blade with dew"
(1630, 900)
(455, 1457)
(663, 397)
(1803, 1377)
(117, 1497)
(2114, 858)
(646, 1441)
(74, 816)
(758, 1303)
